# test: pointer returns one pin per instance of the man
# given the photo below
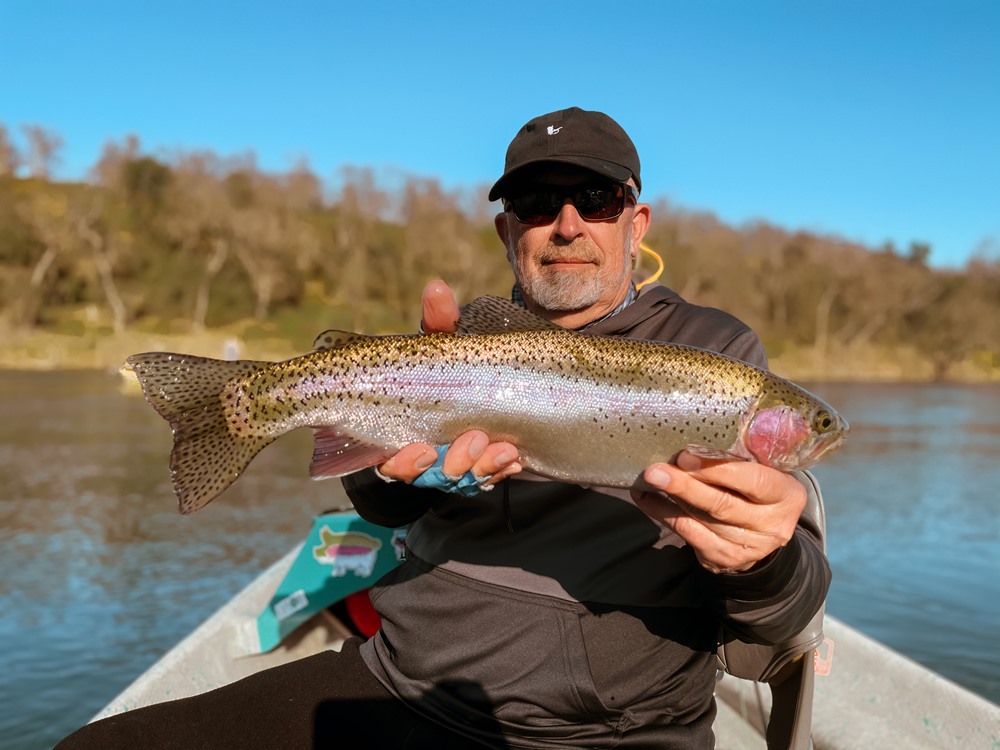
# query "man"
(542, 614)
(582, 621)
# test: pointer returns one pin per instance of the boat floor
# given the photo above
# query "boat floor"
(873, 698)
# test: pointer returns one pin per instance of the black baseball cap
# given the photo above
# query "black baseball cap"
(591, 140)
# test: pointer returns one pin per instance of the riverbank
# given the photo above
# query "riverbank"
(106, 351)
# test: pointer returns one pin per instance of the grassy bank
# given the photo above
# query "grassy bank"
(89, 350)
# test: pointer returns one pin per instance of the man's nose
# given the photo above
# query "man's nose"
(568, 223)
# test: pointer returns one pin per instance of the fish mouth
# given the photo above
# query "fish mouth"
(820, 450)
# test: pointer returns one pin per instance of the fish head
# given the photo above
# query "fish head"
(791, 429)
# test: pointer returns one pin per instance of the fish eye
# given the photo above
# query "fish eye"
(823, 421)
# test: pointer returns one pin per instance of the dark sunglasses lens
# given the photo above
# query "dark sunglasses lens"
(538, 207)
(592, 203)
(600, 203)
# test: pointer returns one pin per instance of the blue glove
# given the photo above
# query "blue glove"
(467, 485)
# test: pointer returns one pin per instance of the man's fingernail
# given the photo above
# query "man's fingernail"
(477, 445)
(506, 457)
(658, 477)
(426, 460)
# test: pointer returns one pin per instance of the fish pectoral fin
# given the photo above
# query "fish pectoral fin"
(334, 339)
(336, 454)
(489, 314)
(712, 454)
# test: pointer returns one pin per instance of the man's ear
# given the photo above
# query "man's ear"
(640, 224)
(503, 230)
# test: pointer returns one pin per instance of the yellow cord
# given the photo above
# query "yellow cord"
(659, 271)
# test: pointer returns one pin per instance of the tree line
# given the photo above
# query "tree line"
(192, 240)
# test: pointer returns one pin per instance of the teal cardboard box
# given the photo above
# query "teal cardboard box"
(342, 554)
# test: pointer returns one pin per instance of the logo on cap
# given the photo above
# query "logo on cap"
(552, 131)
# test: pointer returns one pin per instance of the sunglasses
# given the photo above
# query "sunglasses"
(593, 202)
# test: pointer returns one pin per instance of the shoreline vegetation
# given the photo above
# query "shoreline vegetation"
(209, 255)
(45, 351)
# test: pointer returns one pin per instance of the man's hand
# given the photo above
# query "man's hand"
(471, 451)
(733, 514)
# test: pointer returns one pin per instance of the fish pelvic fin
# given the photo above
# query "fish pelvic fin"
(489, 314)
(715, 454)
(185, 390)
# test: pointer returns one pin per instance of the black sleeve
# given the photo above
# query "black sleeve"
(388, 504)
(775, 601)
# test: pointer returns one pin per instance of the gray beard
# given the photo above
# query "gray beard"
(561, 292)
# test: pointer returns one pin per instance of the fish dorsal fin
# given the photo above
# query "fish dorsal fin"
(334, 339)
(490, 314)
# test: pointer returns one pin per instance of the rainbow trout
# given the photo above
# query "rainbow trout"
(582, 409)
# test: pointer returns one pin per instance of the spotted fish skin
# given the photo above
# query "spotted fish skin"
(582, 409)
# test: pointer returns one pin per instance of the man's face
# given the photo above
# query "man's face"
(572, 271)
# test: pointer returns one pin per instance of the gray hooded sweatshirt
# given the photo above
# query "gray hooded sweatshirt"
(544, 614)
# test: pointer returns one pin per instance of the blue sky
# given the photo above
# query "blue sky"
(873, 120)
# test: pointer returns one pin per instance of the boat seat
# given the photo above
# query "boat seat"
(787, 667)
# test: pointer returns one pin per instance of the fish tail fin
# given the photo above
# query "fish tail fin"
(207, 455)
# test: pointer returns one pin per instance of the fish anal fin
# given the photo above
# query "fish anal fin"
(334, 339)
(336, 454)
(489, 314)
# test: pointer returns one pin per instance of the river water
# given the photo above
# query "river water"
(101, 575)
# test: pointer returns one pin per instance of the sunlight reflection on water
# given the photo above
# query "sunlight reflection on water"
(102, 574)
(914, 529)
